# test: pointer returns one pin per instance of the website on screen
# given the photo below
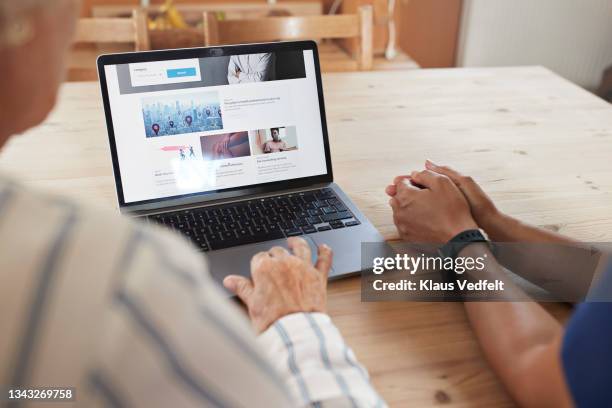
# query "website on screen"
(196, 125)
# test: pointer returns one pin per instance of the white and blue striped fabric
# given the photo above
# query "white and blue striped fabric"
(129, 316)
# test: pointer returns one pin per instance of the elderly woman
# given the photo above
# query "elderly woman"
(128, 315)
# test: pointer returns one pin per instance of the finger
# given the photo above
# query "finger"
(258, 258)
(400, 178)
(466, 184)
(394, 203)
(324, 259)
(391, 189)
(261, 264)
(426, 178)
(300, 248)
(407, 183)
(406, 191)
(444, 170)
(278, 252)
(239, 286)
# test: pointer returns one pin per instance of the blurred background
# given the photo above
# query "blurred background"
(571, 37)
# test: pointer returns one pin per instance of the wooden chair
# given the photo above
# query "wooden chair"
(352, 35)
(192, 13)
(112, 32)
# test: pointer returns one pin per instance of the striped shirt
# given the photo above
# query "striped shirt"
(129, 316)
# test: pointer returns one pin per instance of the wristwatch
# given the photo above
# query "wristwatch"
(452, 248)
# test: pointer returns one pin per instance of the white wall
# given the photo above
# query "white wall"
(571, 37)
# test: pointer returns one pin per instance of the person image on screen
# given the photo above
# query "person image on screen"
(249, 68)
(275, 145)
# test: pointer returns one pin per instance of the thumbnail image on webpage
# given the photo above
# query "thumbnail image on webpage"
(248, 143)
(273, 140)
(180, 114)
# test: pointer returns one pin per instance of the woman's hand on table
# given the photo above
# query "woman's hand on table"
(482, 207)
(428, 207)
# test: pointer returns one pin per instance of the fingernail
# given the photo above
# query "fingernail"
(430, 163)
(229, 283)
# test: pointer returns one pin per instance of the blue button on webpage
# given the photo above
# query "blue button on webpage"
(181, 72)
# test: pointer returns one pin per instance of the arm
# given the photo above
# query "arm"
(520, 340)
(286, 300)
(549, 259)
(316, 364)
(499, 226)
(257, 70)
(238, 144)
(232, 71)
(172, 338)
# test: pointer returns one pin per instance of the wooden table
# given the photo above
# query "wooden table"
(539, 145)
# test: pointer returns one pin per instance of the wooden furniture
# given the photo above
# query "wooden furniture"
(233, 10)
(385, 28)
(107, 31)
(539, 146)
(91, 7)
(193, 36)
(428, 30)
(380, 14)
(351, 28)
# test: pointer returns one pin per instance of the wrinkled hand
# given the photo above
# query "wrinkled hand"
(428, 208)
(283, 283)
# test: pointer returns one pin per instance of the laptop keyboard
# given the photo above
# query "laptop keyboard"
(259, 220)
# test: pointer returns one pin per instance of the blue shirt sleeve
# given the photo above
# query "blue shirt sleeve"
(587, 348)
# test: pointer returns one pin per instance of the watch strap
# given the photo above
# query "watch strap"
(456, 244)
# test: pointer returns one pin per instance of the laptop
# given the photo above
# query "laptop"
(229, 147)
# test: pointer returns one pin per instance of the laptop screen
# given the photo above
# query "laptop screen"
(190, 126)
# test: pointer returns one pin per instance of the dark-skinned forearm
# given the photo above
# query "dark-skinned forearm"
(504, 228)
(561, 265)
(511, 334)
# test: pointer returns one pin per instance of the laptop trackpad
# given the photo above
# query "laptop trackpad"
(237, 260)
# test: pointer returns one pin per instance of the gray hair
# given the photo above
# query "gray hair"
(14, 27)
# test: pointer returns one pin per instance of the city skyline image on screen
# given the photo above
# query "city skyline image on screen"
(180, 114)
